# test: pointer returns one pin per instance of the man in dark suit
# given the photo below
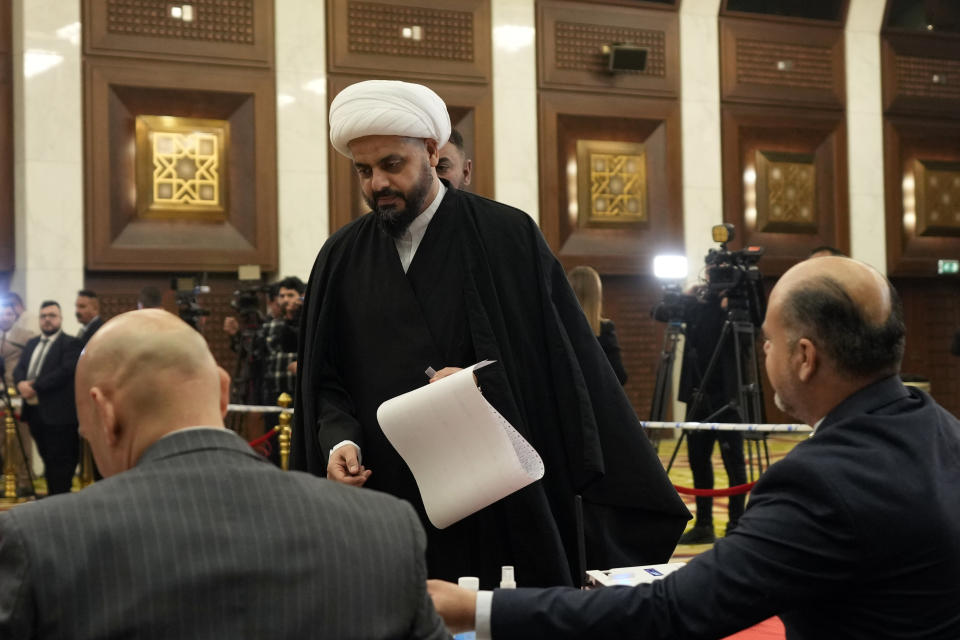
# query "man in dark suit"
(88, 314)
(44, 378)
(194, 535)
(855, 534)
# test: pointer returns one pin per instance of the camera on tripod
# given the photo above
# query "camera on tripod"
(734, 274)
(188, 307)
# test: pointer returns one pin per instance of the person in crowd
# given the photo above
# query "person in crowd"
(192, 534)
(855, 534)
(280, 337)
(438, 277)
(454, 166)
(44, 378)
(150, 298)
(589, 291)
(25, 319)
(13, 339)
(88, 314)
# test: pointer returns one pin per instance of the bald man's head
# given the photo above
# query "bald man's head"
(849, 310)
(142, 375)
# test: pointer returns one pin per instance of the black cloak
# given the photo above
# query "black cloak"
(483, 285)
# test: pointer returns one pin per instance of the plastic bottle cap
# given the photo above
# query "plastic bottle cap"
(506, 578)
(469, 582)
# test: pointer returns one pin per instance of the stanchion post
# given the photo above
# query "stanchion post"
(285, 430)
(9, 466)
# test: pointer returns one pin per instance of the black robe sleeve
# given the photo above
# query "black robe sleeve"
(611, 348)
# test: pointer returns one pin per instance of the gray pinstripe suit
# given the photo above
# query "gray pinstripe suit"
(202, 539)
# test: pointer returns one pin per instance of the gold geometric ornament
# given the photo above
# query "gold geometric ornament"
(182, 168)
(786, 192)
(937, 188)
(611, 182)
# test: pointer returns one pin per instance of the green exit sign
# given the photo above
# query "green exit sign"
(948, 266)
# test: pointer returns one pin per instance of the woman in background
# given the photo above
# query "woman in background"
(586, 285)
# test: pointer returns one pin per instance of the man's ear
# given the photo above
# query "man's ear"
(808, 359)
(224, 391)
(467, 172)
(106, 416)
(433, 151)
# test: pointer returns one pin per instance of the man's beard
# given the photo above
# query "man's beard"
(394, 221)
(50, 332)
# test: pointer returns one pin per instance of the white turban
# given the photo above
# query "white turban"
(387, 108)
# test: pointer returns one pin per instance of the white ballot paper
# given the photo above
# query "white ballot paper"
(463, 454)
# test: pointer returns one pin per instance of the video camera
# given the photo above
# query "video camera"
(188, 308)
(246, 300)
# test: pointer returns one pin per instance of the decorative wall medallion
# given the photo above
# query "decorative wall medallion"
(937, 186)
(611, 182)
(786, 192)
(182, 168)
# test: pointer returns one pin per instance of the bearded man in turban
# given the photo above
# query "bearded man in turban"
(434, 276)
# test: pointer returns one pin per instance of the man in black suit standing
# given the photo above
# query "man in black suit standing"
(88, 314)
(44, 378)
(854, 534)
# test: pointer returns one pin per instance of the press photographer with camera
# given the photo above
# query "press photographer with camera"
(280, 337)
(719, 379)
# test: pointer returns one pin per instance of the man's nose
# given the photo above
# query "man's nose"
(379, 180)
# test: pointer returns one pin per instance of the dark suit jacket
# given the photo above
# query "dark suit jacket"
(54, 383)
(90, 329)
(204, 539)
(855, 534)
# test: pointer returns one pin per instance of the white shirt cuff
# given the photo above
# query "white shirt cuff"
(344, 443)
(484, 609)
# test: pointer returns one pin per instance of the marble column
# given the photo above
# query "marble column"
(48, 154)
(865, 133)
(301, 134)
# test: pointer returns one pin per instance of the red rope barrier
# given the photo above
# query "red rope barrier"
(259, 441)
(716, 493)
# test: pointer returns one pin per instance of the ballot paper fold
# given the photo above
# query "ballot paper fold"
(463, 454)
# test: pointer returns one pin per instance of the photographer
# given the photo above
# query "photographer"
(704, 327)
(280, 337)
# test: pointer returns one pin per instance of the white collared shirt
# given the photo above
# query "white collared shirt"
(409, 242)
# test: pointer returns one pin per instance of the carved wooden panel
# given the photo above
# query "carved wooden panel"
(921, 74)
(612, 248)
(471, 112)
(786, 191)
(230, 31)
(579, 47)
(117, 92)
(773, 62)
(7, 242)
(398, 37)
(572, 37)
(789, 137)
(914, 241)
(212, 20)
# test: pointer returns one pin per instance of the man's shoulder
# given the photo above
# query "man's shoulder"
(491, 211)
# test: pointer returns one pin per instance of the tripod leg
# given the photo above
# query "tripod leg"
(675, 450)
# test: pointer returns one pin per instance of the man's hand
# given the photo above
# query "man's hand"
(344, 467)
(292, 367)
(457, 607)
(231, 326)
(447, 371)
(25, 387)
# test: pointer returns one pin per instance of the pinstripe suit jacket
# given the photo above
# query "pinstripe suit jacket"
(203, 539)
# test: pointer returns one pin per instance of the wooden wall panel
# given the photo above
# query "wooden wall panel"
(628, 300)
(921, 74)
(233, 32)
(118, 90)
(907, 139)
(565, 118)
(471, 111)
(571, 37)
(7, 240)
(822, 135)
(770, 62)
(449, 42)
(932, 314)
